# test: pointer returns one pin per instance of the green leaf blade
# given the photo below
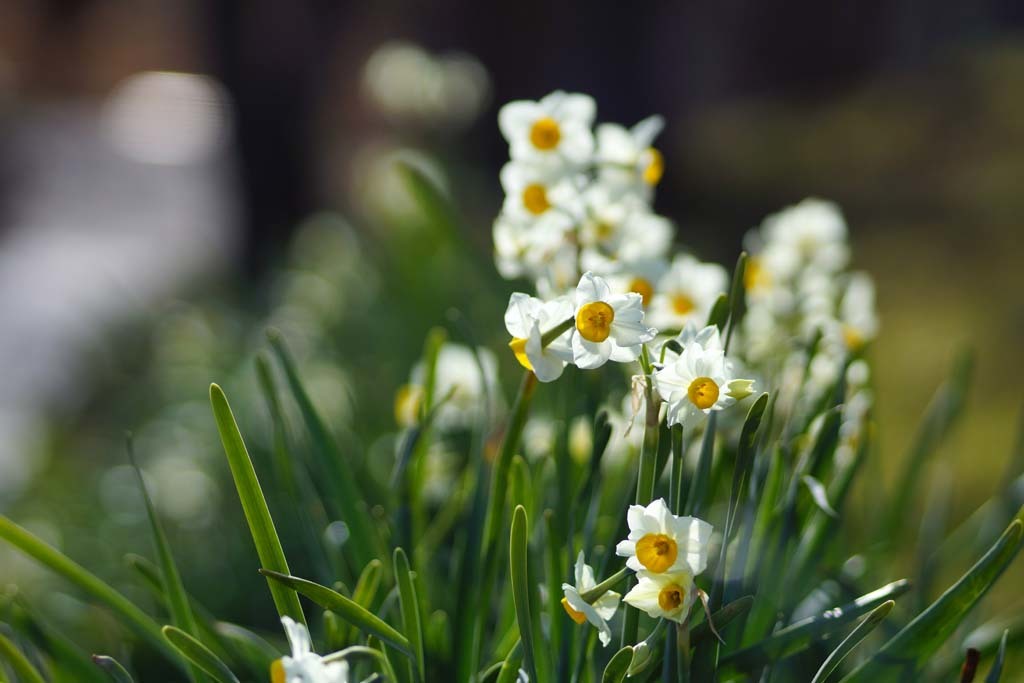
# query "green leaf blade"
(200, 655)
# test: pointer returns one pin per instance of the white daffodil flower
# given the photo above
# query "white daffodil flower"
(668, 595)
(304, 665)
(814, 229)
(626, 158)
(608, 326)
(641, 277)
(524, 247)
(527, 318)
(660, 542)
(580, 610)
(686, 293)
(700, 379)
(532, 190)
(620, 229)
(554, 131)
(857, 312)
(457, 379)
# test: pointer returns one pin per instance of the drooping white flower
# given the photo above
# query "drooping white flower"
(700, 379)
(626, 160)
(608, 326)
(660, 542)
(580, 610)
(533, 190)
(554, 131)
(527, 318)
(667, 595)
(304, 665)
(686, 293)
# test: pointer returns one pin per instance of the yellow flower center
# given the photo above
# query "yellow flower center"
(853, 338)
(277, 672)
(682, 304)
(655, 167)
(407, 404)
(545, 133)
(754, 275)
(671, 597)
(594, 321)
(604, 230)
(656, 552)
(518, 346)
(535, 199)
(703, 392)
(643, 287)
(578, 617)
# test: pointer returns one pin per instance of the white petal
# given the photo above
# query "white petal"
(591, 288)
(515, 118)
(589, 355)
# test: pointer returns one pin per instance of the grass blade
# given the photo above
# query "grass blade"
(910, 648)
(261, 525)
(199, 655)
(365, 592)
(618, 665)
(113, 669)
(49, 556)
(520, 589)
(412, 624)
(721, 618)
(996, 672)
(345, 608)
(851, 641)
(345, 492)
(170, 577)
(796, 637)
(23, 669)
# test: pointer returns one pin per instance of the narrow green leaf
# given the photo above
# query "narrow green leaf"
(719, 315)
(909, 649)
(797, 636)
(253, 651)
(23, 668)
(721, 618)
(70, 663)
(261, 525)
(996, 672)
(170, 577)
(45, 554)
(819, 495)
(336, 472)
(113, 669)
(736, 291)
(366, 591)
(344, 607)
(851, 641)
(509, 671)
(520, 588)
(618, 665)
(199, 654)
(411, 621)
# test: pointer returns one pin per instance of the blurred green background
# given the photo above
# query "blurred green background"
(175, 177)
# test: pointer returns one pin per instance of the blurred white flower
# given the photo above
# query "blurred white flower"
(686, 293)
(458, 381)
(626, 160)
(814, 231)
(527, 319)
(532, 190)
(555, 130)
(580, 610)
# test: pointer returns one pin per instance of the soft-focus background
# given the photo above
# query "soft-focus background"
(177, 176)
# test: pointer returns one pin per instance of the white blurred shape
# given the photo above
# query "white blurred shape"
(163, 117)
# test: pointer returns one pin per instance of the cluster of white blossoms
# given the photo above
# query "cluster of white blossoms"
(666, 551)
(579, 200)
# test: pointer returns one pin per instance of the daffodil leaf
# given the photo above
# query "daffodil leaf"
(170, 578)
(907, 652)
(199, 654)
(835, 658)
(334, 472)
(344, 607)
(509, 670)
(520, 589)
(434, 204)
(366, 591)
(797, 636)
(113, 669)
(19, 663)
(618, 665)
(819, 495)
(69, 660)
(45, 554)
(409, 605)
(736, 296)
(996, 672)
(254, 505)
(721, 618)
(253, 652)
(719, 315)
